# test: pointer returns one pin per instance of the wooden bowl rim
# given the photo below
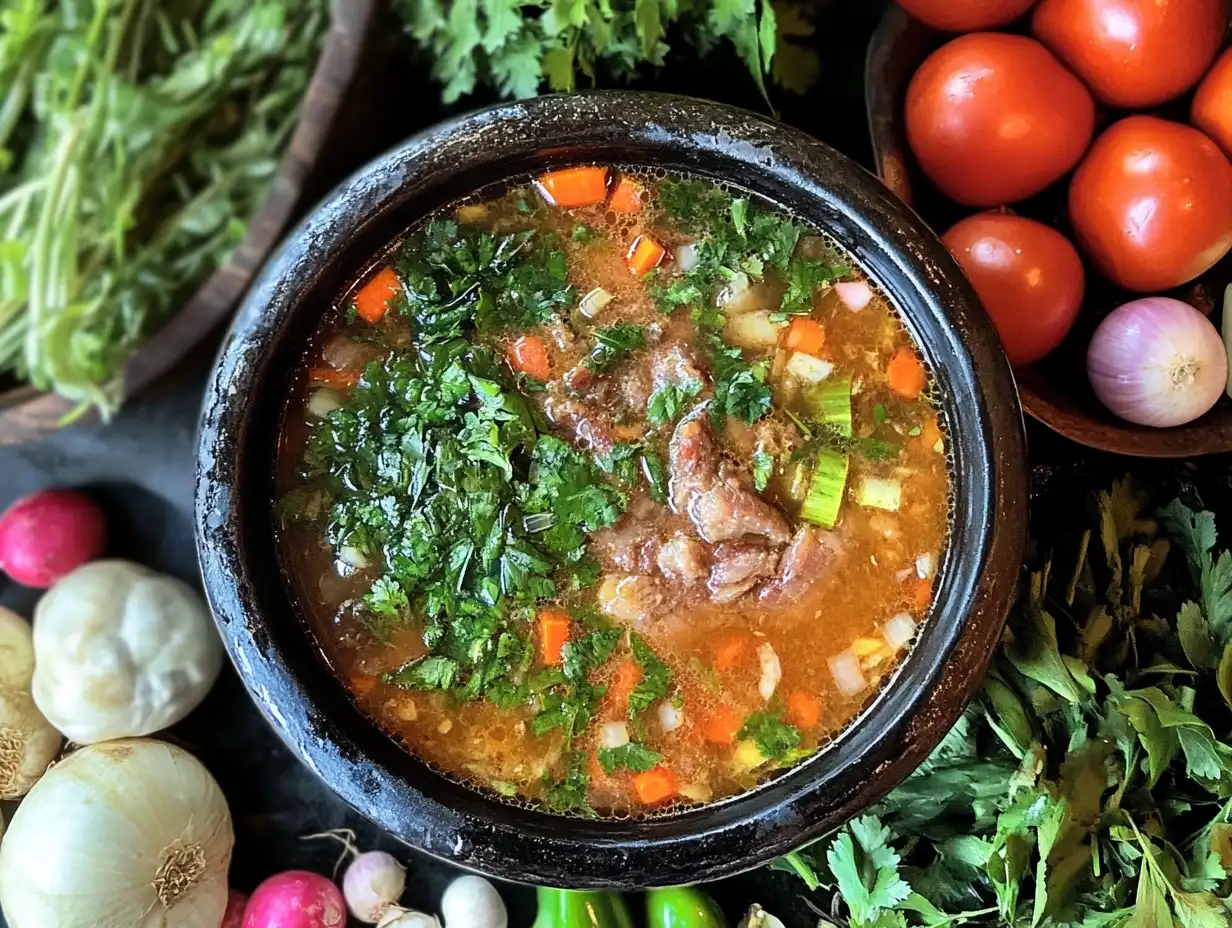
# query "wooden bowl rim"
(27, 412)
(1209, 434)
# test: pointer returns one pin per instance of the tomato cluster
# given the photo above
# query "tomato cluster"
(995, 118)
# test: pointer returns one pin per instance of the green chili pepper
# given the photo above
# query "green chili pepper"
(682, 907)
(562, 908)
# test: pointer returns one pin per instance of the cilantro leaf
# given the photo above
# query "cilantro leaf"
(740, 388)
(866, 868)
(613, 343)
(656, 678)
(777, 739)
(632, 756)
(666, 402)
(569, 792)
(425, 673)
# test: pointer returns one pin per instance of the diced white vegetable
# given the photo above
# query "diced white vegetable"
(697, 792)
(753, 330)
(899, 630)
(322, 402)
(737, 285)
(808, 368)
(352, 557)
(670, 718)
(925, 564)
(593, 302)
(877, 493)
(748, 756)
(855, 294)
(687, 256)
(613, 734)
(771, 670)
(342, 353)
(845, 668)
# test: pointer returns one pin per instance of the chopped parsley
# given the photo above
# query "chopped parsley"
(740, 388)
(632, 756)
(776, 739)
(613, 343)
(656, 678)
(667, 402)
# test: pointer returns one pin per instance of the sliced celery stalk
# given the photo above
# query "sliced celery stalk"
(830, 403)
(825, 495)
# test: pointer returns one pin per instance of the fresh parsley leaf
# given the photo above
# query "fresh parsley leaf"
(866, 868)
(632, 756)
(425, 673)
(763, 469)
(613, 343)
(667, 402)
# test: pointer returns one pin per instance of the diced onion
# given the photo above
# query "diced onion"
(899, 630)
(593, 302)
(771, 671)
(352, 557)
(670, 718)
(613, 734)
(845, 668)
(855, 294)
(808, 368)
(753, 330)
(878, 493)
(697, 792)
(925, 564)
(322, 402)
(687, 256)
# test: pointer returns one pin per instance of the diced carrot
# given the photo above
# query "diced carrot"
(529, 354)
(730, 651)
(362, 684)
(627, 197)
(655, 785)
(624, 681)
(905, 374)
(372, 301)
(644, 255)
(806, 335)
(553, 634)
(333, 378)
(930, 435)
(573, 188)
(803, 709)
(723, 725)
(920, 591)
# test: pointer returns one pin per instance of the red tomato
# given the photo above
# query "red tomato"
(965, 15)
(995, 118)
(1028, 276)
(1133, 53)
(1212, 104)
(1152, 203)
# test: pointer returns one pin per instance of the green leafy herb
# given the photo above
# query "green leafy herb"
(425, 673)
(777, 739)
(656, 678)
(740, 388)
(866, 868)
(667, 402)
(568, 794)
(632, 756)
(613, 343)
(763, 469)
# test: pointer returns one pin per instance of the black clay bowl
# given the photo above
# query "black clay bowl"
(277, 658)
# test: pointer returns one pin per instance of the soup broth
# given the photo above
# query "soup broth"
(613, 491)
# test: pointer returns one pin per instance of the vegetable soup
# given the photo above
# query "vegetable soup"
(613, 491)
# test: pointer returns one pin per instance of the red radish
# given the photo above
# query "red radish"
(233, 917)
(295, 899)
(48, 534)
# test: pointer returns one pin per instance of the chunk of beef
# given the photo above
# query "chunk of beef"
(683, 559)
(720, 508)
(738, 568)
(805, 563)
(636, 599)
(588, 427)
(672, 364)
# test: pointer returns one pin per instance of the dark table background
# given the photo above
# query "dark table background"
(140, 468)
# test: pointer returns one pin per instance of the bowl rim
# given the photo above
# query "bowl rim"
(898, 45)
(268, 642)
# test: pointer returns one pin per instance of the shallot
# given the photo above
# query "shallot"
(295, 899)
(373, 882)
(472, 902)
(1158, 362)
(47, 534)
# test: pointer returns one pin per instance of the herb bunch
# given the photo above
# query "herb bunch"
(137, 138)
(523, 47)
(1090, 783)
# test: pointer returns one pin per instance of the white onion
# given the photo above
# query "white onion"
(670, 718)
(593, 302)
(925, 564)
(855, 294)
(845, 668)
(373, 882)
(808, 368)
(899, 630)
(613, 735)
(1158, 362)
(473, 902)
(687, 256)
(771, 671)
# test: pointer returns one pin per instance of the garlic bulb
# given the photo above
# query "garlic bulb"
(128, 834)
(120, 651)
(28, 743)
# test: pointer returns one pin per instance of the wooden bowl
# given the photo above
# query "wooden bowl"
(27, 413)
(1055, 391)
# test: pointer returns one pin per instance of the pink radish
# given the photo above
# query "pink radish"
(295, 899)
(48, 534)
(233, 917)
